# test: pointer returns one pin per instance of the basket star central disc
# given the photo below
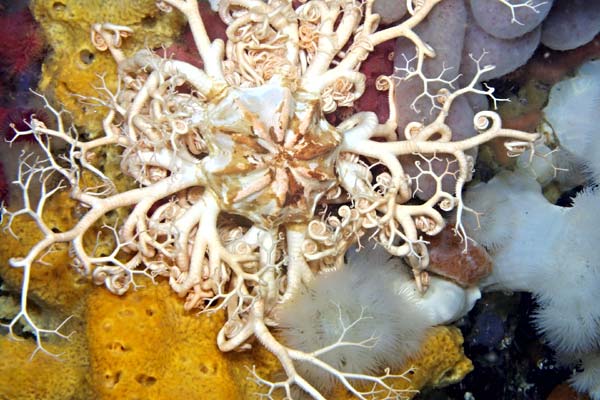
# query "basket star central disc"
(271, 153)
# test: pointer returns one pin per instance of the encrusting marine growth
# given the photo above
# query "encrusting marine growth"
(71, 70)
(246, 191)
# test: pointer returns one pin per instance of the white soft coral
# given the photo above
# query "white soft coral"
(369, 314)
(571, 320)
(549, 251)
(356, 313)
(589, 379)
(572, 113)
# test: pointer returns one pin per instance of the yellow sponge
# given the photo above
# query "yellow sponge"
(53, 283)
(440, 362)
(145, 346)
(74, 67)
(43, 376)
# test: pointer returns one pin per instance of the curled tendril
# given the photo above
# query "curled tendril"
(309, 247)
(241, 247)
(486, 121)
(425, 224)
(334, 222)
(317, 230)
(345, 212)
(113, 278)
(232, 328)
(383, 83)
(333, 193)
(230, 234)
(516, 148)
(412, 129)
(98, 41)
(179, 127)
(99, 35)
(307, 33)
(309, 13)
(447, 204)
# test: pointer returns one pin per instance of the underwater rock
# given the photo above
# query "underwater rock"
(488, 329)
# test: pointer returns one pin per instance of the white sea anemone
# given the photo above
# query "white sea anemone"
(553, 253)
(571, 279)
(572, 113)
(588, 380)
(517, 226)
(357, 310)
(573, 107)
